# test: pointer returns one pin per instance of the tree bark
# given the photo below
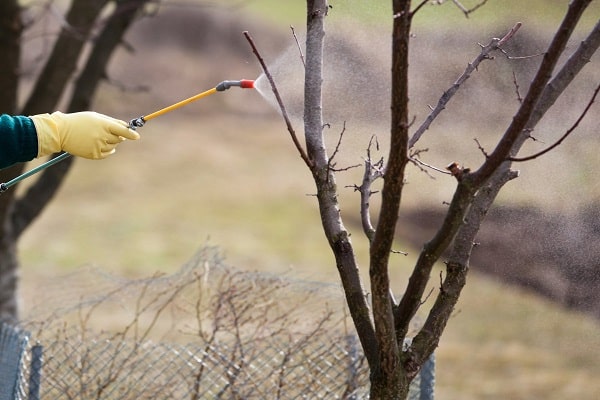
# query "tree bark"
(389, 381)
(324, 177)
(10, 35)
(9, 267)
(11, 28)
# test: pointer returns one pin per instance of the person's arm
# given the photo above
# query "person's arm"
(18, 140)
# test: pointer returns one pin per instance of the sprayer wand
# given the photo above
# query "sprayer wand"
(136, 123)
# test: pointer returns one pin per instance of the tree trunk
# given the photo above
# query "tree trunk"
(385, 391)
(324, 177)
(10, 34)
(9, 266)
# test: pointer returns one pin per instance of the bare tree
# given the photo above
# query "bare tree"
(383, 325)
(83, 28)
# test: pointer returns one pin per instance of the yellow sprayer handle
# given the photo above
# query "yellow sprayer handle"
(179, 104)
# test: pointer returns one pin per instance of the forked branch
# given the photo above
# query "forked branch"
(373, 171)
(471, 67)
(526, 110)
(474, 195)
(465, 10)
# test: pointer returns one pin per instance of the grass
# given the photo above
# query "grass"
(225, 172)
(534, 349)
(539, 14)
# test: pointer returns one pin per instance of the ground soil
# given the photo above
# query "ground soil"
(554, 255)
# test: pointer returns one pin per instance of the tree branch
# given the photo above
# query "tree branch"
(462, 8)
(298, 45)
(419, 6)
(373, 171)
(11, 30)
(563, 137)
(580, 58)
(457, 266)
(427, 339)
(521, 118)
(471, 67)
(286, 119)
(471, 182)
(381, 246)
(431, 252)
(327, 196)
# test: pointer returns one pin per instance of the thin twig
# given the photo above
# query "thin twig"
(404, 253)
(420, 163)
(418, 7)
(288, 123)
(516, 83)
(332, 165)
(462, 8)
(299, 47)
(510, 34)
(337, 146)
(481, 148)
(474, 8)
(520, 57)
(569, 131)
(428, 296)
(373, 171)
(448, 94)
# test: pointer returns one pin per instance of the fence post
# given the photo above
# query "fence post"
(353, 359)
(427, 379)
(13, 342)
(422, 387)
(35, 375)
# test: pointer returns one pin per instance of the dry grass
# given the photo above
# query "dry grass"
(224, 171)
(504, 343)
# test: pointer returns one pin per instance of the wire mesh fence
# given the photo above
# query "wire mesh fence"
(275, 368)
(103, 369)
(207, 332)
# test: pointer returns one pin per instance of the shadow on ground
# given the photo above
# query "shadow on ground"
(554, 255)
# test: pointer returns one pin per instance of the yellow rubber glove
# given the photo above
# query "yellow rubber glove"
(85, 134)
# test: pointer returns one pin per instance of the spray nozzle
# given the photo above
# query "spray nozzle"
(244, 84)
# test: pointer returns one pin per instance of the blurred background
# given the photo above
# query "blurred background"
(223, 172)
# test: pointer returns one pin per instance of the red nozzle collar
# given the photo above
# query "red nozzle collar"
(247, 84)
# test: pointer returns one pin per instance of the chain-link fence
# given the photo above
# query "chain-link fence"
(100, 367)
(206, 332)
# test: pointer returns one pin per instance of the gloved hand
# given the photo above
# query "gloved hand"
(85, 134)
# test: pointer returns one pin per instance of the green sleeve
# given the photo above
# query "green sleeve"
(18, 140)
